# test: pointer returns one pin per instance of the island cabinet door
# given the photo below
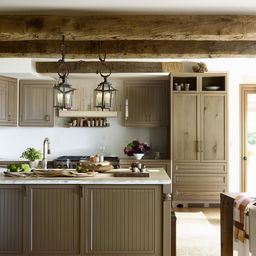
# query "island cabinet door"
(123, 220)
(54, 227)
(11, 220)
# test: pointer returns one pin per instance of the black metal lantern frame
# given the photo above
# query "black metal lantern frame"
(63, 91)
(105, 92)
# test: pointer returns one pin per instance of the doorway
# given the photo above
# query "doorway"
(248, 137)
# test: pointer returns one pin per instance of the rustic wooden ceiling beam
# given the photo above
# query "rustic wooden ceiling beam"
(116, 67)
(130, 49)
(128, 27)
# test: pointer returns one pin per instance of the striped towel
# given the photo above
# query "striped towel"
(242, 204)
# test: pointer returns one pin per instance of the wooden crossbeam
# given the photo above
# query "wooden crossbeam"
(130, 49)
(116, 67)
(128, 27)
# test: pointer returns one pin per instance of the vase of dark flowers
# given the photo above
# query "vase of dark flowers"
(136, 149)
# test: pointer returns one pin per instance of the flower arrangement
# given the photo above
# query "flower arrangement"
(136, 147)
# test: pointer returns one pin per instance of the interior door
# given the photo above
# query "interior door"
(248, 137)
(186, 127)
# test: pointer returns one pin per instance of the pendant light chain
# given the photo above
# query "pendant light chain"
(102, 58)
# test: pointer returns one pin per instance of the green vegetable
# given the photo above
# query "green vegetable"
(12, 168)
(18, 168)
(31, 154)
(25, 168)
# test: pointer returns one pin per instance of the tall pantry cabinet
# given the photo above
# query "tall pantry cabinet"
(199, 137)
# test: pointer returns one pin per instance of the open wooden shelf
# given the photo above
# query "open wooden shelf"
(73, 113)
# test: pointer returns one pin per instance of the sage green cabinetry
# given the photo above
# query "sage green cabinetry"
(36, 103)
(8, 101)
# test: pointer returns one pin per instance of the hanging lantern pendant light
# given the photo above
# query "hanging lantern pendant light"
(105, 92)
(63, 92)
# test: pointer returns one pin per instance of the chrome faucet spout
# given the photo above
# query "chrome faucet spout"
(44, 161)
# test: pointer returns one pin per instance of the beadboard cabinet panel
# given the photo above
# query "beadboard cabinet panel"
(158, 105)
(55, 220)
(36, 103)
(137, 105)
(11, 220)
(146, 103)
(124, 221)
(8, 101)
(186, 127)
(3, 101)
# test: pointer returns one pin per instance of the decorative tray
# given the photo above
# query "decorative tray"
(51, 173)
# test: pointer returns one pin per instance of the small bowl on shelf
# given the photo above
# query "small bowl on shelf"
(212, 88)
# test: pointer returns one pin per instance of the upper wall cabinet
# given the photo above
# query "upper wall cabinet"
(36, 103)
(8, 101)
(146, 103)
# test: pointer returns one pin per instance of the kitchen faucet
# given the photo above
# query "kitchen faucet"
(44, 161)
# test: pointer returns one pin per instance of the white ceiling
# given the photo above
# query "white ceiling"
(129, 6)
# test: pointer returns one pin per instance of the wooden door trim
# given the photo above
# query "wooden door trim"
(244, 89)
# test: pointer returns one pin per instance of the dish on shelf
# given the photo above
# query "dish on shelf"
(212, 88)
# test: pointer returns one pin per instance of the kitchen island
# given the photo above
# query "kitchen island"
(101, 215)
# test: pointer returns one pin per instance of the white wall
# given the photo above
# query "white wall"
(81, 141)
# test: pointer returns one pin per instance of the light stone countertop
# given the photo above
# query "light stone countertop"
(157, 176)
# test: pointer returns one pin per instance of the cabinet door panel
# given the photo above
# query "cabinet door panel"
(213, 128)
(55, 214)
(146, 103)
(11, 220)
(3, 101)
(12, 105)
(36, 103)
(157, 104)
(186, 127)
(137, 106)
(124, 221)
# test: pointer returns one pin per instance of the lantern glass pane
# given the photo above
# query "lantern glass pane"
(98, 98)
(68, 100)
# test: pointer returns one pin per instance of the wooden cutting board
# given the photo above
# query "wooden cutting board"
(131, 174)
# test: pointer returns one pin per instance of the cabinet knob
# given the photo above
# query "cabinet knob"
(9, 118)
(167, 197)
(245, 158)
(47, 118)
